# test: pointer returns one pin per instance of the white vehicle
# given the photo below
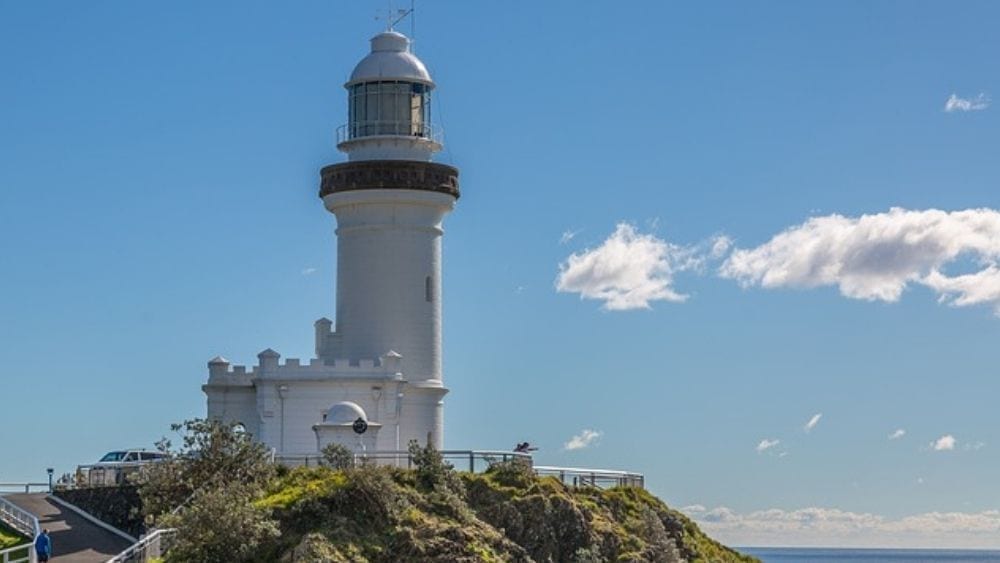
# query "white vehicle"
(115, 466)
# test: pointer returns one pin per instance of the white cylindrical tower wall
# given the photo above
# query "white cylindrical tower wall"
(389, 276)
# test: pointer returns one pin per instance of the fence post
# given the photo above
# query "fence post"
(472, 462)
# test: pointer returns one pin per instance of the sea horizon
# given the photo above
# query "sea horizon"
(870, 554)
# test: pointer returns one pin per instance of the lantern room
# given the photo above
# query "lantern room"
(389, 104)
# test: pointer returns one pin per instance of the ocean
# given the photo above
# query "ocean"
(831, 555)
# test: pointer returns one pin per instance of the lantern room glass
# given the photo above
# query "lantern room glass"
(389, 108)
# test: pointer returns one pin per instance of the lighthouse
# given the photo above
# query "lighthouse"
(380, 360)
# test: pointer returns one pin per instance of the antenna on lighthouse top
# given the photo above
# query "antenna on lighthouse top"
(394, 16)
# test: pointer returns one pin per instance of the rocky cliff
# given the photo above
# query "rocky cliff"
(506, 514)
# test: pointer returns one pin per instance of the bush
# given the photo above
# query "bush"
(516, 472)
(432, 471)
(337, 456)
(220, 524)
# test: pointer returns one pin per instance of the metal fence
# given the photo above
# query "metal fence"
(23, 487)
(582, 477)
(463, 460)
(105, 474)
(480, 460)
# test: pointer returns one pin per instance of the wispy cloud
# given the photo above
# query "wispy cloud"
(584, 439)
(627, 271)
(876, 257)
(975, 446)
(568, 236)
(766, 444)
(944, 443)
(308, 271)
(816, 526)
(899, 433)
(954, 103)
(812, 422)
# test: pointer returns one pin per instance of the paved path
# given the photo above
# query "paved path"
(74, 539)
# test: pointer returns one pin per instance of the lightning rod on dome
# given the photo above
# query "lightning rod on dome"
(394, 16)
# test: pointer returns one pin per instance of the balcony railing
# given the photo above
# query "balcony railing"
(362, 129)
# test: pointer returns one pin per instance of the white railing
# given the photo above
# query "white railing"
(581, 476)
(362, 129)
(23, 487)
(463, 460)
(20, 554)
(151, 546)
(108, 474)
(480, 460)
(23, 522)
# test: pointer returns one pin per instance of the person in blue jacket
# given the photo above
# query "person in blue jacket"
(43, 546)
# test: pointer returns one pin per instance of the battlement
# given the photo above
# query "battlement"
(269, 366)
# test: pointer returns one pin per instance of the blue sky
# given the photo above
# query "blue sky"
(158, 207)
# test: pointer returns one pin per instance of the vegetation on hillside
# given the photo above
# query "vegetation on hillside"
(430, 513)
(10, 537)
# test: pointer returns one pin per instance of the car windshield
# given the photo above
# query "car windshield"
(114, 456)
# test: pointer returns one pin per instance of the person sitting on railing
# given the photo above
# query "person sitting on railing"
(43, 546)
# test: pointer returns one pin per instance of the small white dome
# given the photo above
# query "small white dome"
(390, 59)
(345, 412)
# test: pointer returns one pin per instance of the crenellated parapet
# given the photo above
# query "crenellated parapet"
(270, 367)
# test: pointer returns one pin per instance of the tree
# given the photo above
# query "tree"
(206, 490)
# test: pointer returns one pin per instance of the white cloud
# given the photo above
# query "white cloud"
(876, 257)
(766, 444)
(954, 103)
(944, 443)
(627, 271)
(568, 236)
(975, 446)
(830, 526)
(308, 271)
(899, 433)
(720, 246)
(813, 422)
(584, 439)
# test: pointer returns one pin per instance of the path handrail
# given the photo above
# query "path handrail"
(23, 522)
(18, 554)
(152, 545)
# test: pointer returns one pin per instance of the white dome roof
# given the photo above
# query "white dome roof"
(390, 59)
(345, 412)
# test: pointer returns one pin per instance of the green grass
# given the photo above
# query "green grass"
(10, 538)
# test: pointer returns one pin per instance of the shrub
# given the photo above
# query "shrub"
(337, 456)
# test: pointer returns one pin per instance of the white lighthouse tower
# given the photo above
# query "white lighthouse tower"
(381, 361)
